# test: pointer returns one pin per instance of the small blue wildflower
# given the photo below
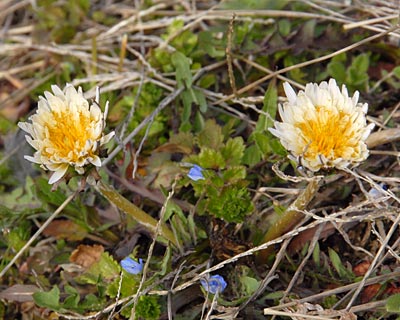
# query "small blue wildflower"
(214, 284)
(376, 193)
(196, 173)
(132, 266)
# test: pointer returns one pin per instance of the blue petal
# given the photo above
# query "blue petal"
(214, 284)
(196, 173)
(132, 266)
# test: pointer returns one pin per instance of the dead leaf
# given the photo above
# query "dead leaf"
(86, 255)
(392, 289)
(39, 261)
(174, 148)
(369, 292)
(11, 109)
(65, 229)
(361, 268)
(19, 293)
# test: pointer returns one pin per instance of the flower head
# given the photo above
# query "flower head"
(196, 173)
(214, 284)
(378, 192)
(323, 127)
(132, 266)
(66, 131)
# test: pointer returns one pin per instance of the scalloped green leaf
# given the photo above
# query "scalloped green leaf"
(106, 268)
(393, 303)
(211, 136)
(50, 299)
(233, 151)
(211, 159)
(234, 174)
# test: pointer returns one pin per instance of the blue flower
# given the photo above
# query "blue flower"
(196, 173)
(376, 193)
(214, 284)
(132, 266)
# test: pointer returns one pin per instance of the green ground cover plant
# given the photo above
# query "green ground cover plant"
(199, 159)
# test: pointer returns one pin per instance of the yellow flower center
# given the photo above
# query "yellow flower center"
(68, 133)
(328, 133)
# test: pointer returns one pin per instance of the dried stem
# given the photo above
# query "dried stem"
(135, 212)
(289, 219)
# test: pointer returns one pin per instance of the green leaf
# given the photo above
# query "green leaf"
(250, 284)
(171, 208)
(148, 308)
(211, 159)
(184, 140)
(185, 127)
(270, 107)
(342, 271)
(361, 62)
(198, 124)
(185, 42)
(337, 70)
(396, 71)
(207, 80)
(56, 198)
(393, 303)
(284, 27)
(182, 66)
(17, 236)
(233, 151)
(179, 225)
(92, 302)
(72, 301)
(234, 174)
(254, 4)
(213, 47)
(129, 285)
(187, 105)
(50, 299)
(252, 156)
(357, 73)
(297, 74)
(277, 147)
(211, 136)
(232, 204)
(274, 295)
(106, 268)
(165, 264)
(316, 255)
(262, 142)
(201, 100)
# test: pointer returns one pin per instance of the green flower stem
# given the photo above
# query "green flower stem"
(138, 214)
(288, 220)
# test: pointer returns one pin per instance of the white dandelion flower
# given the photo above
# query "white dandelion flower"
(322, 127)
(66, 131)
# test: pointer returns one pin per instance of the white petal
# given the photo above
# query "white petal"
(57, 91)
(96, 161)
(57, 175)
(97, 98)
(80, 170)
(290, 93)
(107, 138)
(27, 127)
(32, 159)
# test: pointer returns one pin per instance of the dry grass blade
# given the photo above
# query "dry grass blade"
(210, 110)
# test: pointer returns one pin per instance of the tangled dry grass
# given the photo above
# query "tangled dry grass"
(352, 214)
